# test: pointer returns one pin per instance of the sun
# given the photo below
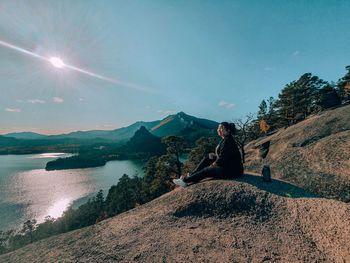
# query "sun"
(56, 62)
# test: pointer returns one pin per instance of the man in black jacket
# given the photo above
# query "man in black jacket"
(224, 163)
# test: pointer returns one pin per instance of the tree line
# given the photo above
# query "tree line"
(297, 100)
(301, 98)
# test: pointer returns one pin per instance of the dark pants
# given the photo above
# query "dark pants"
(205, 170)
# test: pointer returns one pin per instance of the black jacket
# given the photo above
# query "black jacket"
(229, 156)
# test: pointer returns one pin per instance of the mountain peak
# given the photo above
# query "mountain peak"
(144, 141)
(175, 124)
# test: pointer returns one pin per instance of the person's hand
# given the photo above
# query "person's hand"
(213, 164)
(212, 156)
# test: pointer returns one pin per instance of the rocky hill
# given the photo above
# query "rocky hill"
(213, 221)
(144, 141)
(313, 154)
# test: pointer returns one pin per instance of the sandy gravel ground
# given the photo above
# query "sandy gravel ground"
(245, 220)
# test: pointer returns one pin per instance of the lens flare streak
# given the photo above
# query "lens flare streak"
(5, 44)
(22, 50)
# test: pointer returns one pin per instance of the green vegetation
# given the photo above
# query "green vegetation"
(288, 195)
(297, 100)
(74, 162)
(303, 97)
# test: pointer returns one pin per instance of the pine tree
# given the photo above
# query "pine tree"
(328, 97)
(307, 87)
(298, 99)
(262, 110)
(176, 146)
(149, 176)
(343, 86)
(286, 104)
(204, 146)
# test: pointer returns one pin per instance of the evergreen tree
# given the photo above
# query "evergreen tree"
(46, 229)
(28, 229)
(176, 147)
(262, 110)
(272, 118)
(328, 97)
(4, 240)
(204, 146)
(166, 170)
(123, 196)
(149, 176)
(343, 86)
(298, 99)
(307, 88)
(286, 104)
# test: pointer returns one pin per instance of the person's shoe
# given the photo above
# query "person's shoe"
(180, 182)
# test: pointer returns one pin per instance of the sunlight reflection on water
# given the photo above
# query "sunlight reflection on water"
(42, 191)
(57, 209)
(27, 191)
(50, 155)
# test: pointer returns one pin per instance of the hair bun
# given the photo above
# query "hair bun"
(231, 127)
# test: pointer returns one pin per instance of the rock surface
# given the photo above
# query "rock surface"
(245, 220)
(313, 154)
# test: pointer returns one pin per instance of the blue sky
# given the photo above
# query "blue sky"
(211, 59)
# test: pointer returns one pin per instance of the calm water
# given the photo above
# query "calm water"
(27, 191)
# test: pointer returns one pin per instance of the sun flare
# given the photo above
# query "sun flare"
(57, 62)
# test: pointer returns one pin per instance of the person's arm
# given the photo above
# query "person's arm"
(224, 153)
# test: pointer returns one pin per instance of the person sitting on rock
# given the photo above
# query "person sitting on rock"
(225, 163)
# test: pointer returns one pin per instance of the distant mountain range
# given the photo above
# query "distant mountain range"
(176, 124)
(26, 135)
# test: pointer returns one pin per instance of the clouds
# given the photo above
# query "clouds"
(33, 101)
(36, 101)
(12, 110)
(167, 112)
(226, 104)
(58, 100)
(296, 53)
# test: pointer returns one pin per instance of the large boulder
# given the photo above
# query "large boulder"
(313, 154)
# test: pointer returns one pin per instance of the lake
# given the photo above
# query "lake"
(28, 191)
